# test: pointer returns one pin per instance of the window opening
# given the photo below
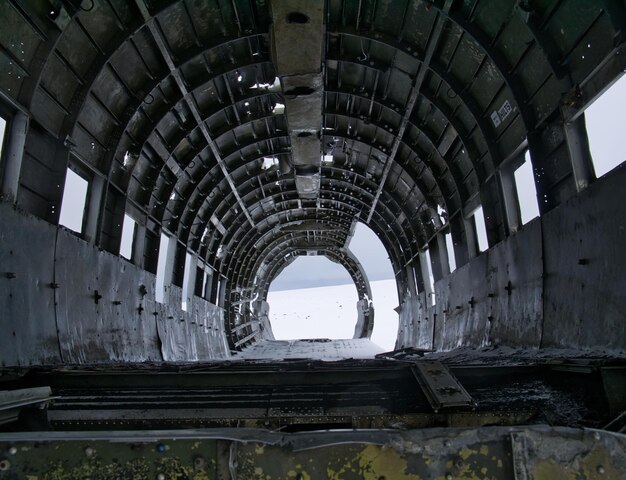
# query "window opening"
(605, 119)
(526, 190)
(481, 229)
(450, 248)
(161, 268)
(205, 285)
(3, 127)
(73, 202)
(431, 278)
(129, 228)
(187, 278)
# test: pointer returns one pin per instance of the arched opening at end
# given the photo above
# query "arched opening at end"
(313, 298)
(373, 256)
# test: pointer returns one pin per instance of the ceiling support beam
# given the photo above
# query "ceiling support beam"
(417, 86)
(160, 41)
(298, 36)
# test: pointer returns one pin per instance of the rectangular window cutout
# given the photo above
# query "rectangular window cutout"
(128, 237)
(164, 244)
(526, 190)
(3, 127)
(605, 119)
(73, 203)
(187, 279)
(431, 279)
(481, 229)
(205, 286)
(450, 248)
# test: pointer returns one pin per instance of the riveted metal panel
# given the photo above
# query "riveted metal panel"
(496, 297)
(109, 326)
(585, 285)
(515, 288)
(193, 335)
(462, 298)
(28, 330)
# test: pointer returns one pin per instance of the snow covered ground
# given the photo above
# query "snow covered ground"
(330, 312)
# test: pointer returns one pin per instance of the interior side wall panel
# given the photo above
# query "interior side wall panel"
(585, 252)
(66, 301)
(107, 325)
(27, 324)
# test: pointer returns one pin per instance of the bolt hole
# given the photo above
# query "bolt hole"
(297, 91)
(297, 17)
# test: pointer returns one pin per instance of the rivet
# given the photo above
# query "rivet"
(160, 476)
(89, 451)
(12, 450)
(448, 476)
(199, 462)
(600, 469)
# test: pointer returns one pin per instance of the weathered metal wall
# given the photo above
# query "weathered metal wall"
(195, 334)
(110, 327)
(62, 300)
(495, 298)
(557, 282)
(28, 333)
(415, 327)
(585, 258)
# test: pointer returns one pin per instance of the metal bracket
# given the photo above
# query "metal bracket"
(440, 386)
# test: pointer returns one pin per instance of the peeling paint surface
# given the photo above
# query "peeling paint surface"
(519, 453)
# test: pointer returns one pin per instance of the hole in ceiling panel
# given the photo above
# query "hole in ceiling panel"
(297, 18)
(299, 91)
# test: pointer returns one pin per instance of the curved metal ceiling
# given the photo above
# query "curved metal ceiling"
(177, 106)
